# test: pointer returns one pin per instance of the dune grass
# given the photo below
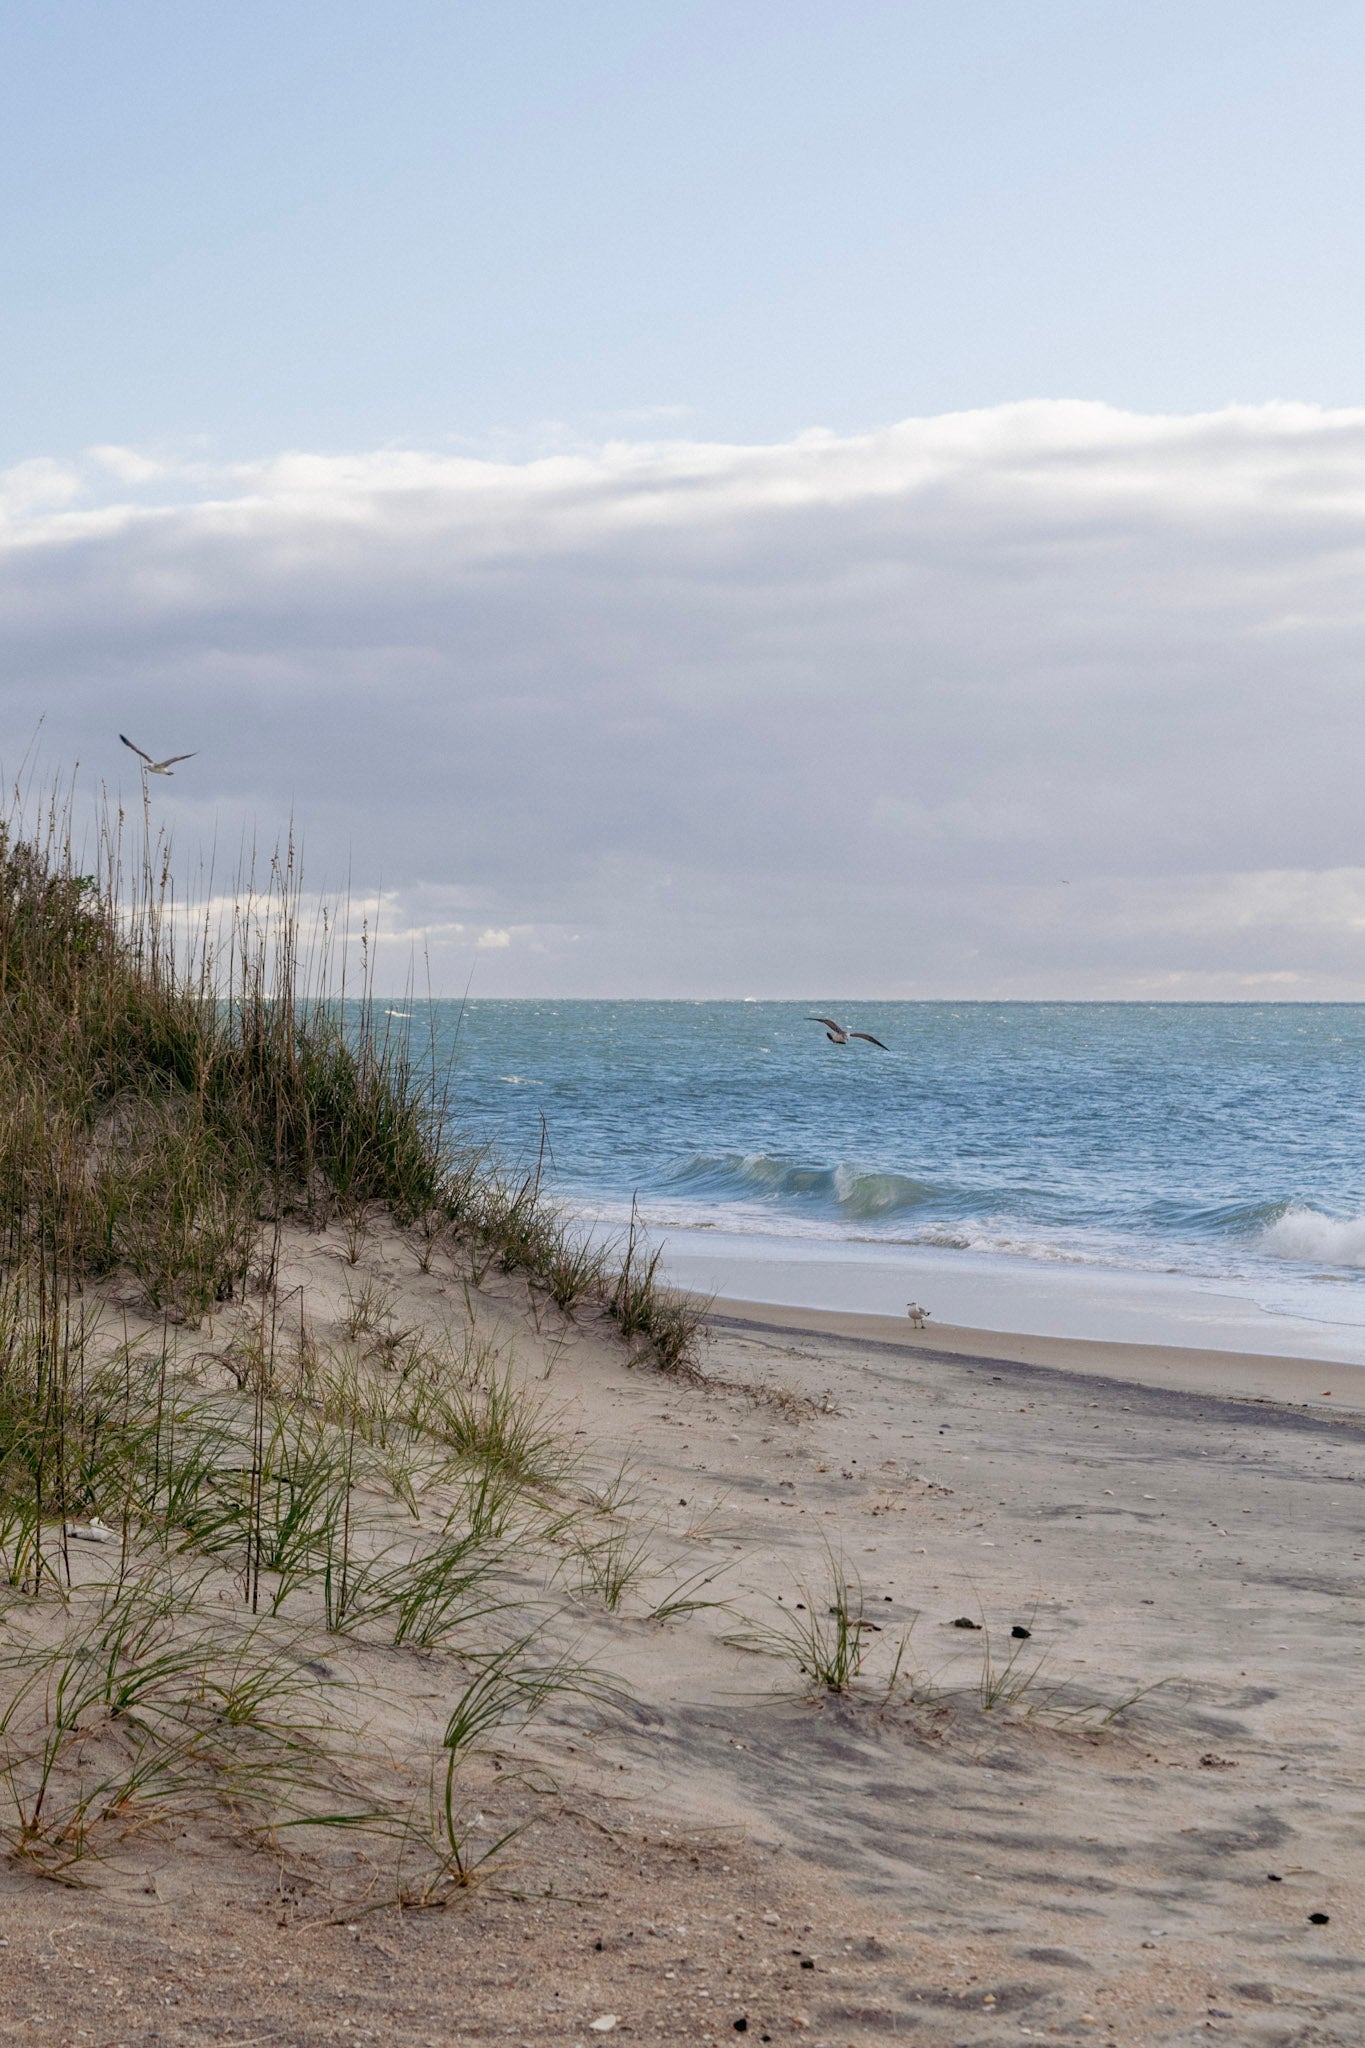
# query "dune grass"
(167, 1085)
(173, 1091)
(177, 1559)
(822, 1632)
(152, 1111)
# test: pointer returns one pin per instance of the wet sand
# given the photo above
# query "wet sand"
(1250, 1375)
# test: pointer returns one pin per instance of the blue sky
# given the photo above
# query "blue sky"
(685, 499)
(346, 225)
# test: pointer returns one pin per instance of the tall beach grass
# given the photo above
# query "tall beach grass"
(176, 1088)
(170, 1081)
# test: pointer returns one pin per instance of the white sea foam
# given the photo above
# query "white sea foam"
(993, 1237)
(1314, 1239)
(956, 1238)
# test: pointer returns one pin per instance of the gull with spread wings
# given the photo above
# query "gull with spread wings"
(837, 1035)
(155, 767)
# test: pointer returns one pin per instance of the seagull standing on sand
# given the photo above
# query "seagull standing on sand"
(837, 1035)
(155, 767)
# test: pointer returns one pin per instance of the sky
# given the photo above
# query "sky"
(704, 500)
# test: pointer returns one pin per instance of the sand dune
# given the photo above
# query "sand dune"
(1117, 1828)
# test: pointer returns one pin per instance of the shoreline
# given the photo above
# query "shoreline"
(996, 1293)
(1329, 1386)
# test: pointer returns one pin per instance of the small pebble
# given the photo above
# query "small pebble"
(965, 1621)
(1319, 1919)
(1020, 1634)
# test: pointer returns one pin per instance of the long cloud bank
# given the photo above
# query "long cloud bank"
(1043, 700)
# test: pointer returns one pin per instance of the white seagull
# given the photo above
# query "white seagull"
(837, 1035)
(155, 767)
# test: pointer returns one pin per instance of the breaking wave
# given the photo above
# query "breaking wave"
(1313, 1239)
(855, 1194)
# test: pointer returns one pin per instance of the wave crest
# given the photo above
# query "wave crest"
(1313, 1239)
(854, 1193)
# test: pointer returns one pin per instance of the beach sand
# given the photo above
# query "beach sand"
(1114, 1829)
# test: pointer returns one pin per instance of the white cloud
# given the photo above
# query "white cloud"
(128, 465)
(1043, 699)
(35, 487)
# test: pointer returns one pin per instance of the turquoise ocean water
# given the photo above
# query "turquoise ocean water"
(1094, 1157)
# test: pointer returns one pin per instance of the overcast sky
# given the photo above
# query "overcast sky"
(698, 499)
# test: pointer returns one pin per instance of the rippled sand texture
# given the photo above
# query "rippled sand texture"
(1121, 1837)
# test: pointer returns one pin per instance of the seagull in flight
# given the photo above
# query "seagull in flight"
(837, 1035)
(156, 767)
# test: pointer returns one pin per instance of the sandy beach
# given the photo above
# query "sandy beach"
(1240, 1375)
(1118, 1827)
(682, 1018)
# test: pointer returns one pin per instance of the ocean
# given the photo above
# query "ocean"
(1179, 1173)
